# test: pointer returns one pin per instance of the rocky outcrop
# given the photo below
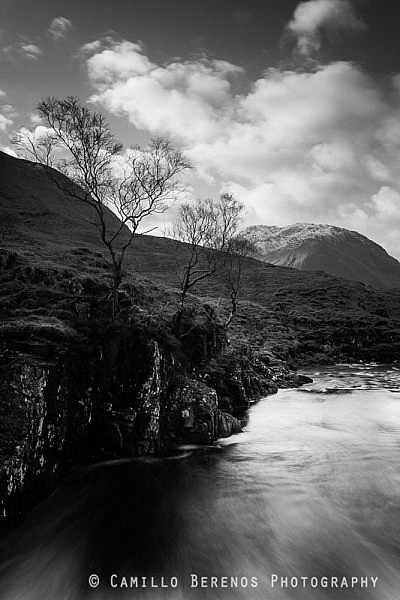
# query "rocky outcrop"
(41, 426)
(128, 395)
(240, 379)
(195, 416)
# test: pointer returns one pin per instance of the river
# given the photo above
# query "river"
(305, 504)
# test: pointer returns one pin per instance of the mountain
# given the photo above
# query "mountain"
(338, 251)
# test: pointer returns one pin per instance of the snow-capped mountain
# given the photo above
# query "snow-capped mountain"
(338, 251)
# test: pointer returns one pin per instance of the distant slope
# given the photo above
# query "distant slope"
(32, 207)
(295, 314)
(335, 250)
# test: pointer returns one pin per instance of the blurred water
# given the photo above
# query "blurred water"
(310, 489)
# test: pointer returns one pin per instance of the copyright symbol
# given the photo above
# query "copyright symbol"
(94, 580)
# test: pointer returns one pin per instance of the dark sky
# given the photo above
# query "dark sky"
(306, 130)
(245, 33)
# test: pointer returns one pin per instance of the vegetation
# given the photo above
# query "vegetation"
(240, 247)
(209, 229)
(37, 146)
(135, 183)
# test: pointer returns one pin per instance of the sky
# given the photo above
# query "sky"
(293, 107)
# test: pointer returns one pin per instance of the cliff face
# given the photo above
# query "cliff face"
(335, 250)
(78, 385)
(42, 425)
(129, 395)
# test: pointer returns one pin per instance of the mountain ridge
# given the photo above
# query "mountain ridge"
(321, 247)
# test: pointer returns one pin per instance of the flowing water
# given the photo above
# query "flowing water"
(304, 504)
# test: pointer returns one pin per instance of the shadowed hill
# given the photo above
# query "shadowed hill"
(34, 210)
(335, 250)
(292, 313)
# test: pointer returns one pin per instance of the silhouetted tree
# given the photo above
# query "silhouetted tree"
(134, 184)
(240, 248)
(207, 227)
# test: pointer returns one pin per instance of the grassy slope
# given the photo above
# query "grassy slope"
(286, 310)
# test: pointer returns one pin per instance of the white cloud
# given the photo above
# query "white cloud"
(114, 61)
(312, 18)
(35, 119)
(187, 98)
(9, 110)
(59, 27)
(387, 204)
(30, 51)
(7, 114)
(5, 122)
(24, 50)
(38, 132)
(8, 150)
(295, 146)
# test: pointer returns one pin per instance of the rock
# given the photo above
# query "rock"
(37, 433)
(272, 388)
(225, 404)
(290, 379)
(303, 379)
(227, 425)
(239, 379)
(197, 405)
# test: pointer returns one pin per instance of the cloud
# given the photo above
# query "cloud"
(59, 27)
(34, 119)
(186, 98)
(8, 150)
(5, 122)
(7, 114)
(387, 204)
(312, 18)
(24, 50)
(293, 146)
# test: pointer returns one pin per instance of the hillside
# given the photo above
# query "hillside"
(297, 314)
(81, 384)
(335, 250)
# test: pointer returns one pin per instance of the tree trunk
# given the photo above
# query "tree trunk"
(233, 310)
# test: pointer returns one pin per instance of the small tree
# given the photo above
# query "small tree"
(207, 227)
(240, 248)
(135, 184)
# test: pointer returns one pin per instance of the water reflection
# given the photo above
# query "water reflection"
(310, 489)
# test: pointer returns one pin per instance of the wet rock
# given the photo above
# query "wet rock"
(227, 425)
(303, 379)
(225, 404)
(239, 379)
(36, 412)
(197, 405)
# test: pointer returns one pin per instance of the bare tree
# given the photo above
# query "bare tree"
(135, 183)
(207, 227)
(240, 248)
(35, 146)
